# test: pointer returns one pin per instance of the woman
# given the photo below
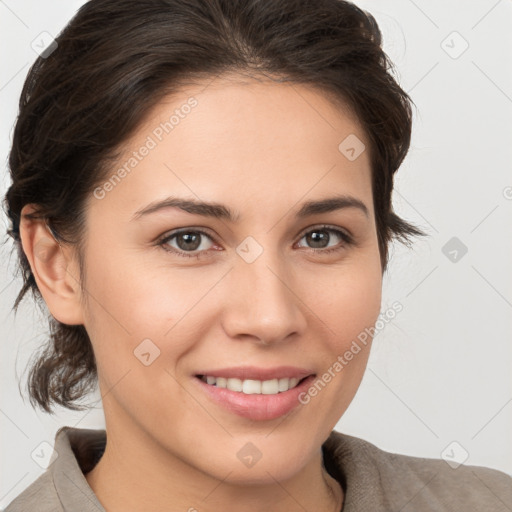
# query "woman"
(265, 135)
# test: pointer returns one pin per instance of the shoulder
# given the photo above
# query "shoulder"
(40, 495)
(417, 483)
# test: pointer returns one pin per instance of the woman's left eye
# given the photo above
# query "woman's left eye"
(190, 240)
(320, 235)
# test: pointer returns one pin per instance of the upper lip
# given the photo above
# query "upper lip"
(256, 373)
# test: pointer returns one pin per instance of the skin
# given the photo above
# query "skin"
(262, 149)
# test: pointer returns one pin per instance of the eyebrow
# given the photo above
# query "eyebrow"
(220, 211)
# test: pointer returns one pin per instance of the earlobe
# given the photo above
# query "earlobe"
(54, 269)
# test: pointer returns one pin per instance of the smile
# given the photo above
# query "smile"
(257, 400)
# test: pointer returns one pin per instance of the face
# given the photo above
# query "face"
(178, 292)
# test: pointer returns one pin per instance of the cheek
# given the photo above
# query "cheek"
(348, 300)
(129, 296)
(131, 301)
(358, 304)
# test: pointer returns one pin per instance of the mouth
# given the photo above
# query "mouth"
(262, 398)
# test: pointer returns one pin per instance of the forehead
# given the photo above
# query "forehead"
(239, 142)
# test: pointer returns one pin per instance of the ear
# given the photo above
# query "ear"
(54, 267)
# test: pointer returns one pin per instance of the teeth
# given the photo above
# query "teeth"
(252, 387)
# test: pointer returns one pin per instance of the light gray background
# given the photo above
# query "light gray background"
(438, 381)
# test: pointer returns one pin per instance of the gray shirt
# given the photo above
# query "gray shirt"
(373, 480)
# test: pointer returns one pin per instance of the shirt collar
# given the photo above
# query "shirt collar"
(76, 451)
(346, 458)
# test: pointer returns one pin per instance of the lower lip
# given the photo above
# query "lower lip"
(257, 406)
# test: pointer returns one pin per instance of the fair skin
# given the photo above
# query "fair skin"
(262, 149)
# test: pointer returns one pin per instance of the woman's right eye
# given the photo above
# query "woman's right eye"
(187, 240)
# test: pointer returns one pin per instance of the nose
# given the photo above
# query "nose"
(263, 304)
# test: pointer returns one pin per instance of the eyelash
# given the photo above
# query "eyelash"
(347, 241)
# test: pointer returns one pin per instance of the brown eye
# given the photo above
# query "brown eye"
(318, 239)
(187, 241)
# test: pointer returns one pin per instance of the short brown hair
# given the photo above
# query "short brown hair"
(116, 59)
